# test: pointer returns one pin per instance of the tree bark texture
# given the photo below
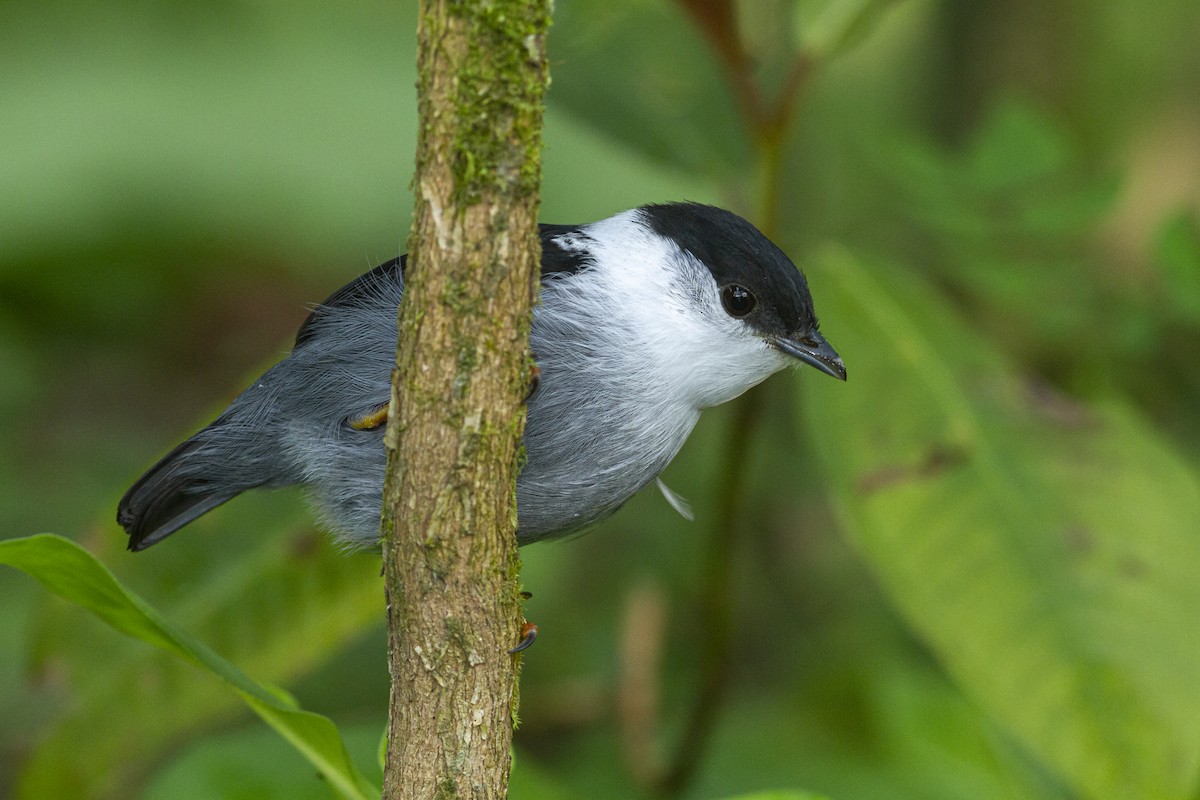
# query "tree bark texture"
(457, 411)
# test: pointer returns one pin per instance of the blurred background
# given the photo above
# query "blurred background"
(972, 571)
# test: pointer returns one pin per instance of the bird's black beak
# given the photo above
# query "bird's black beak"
(813, 350)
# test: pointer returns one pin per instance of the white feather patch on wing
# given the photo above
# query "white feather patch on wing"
(675, 501)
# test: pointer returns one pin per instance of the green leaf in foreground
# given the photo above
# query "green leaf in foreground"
(1046, 551)
(69, 571)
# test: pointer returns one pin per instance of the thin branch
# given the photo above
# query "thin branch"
(716, 601)
(768, 127)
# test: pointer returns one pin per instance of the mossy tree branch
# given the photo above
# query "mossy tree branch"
(457, 413)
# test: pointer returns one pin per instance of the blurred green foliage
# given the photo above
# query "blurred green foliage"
(973, 571)
(71, 572)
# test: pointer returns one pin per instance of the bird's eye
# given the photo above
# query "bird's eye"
(738, 300)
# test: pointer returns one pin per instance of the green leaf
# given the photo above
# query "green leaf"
(665, 98)
(835, 26)
(71, 572)
(1016, 145)
(1045, 551)
(780, 795)
(250, 763)
(265, 591)
(1178, 256)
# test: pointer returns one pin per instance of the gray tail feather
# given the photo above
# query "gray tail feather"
(167, 497)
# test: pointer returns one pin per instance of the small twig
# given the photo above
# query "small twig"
(716, 602)
(768, 127)
(717, 21)
(643, 633)
(799, 78)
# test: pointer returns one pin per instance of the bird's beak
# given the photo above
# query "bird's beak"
(813, 350)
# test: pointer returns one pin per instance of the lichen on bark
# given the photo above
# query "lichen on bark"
(496, 143)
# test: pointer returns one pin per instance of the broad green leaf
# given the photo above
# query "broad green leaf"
(1045, 551)
(878, 721)
(780, 795)
(71, 572)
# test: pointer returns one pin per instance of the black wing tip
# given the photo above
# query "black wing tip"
(130, 522)
(136, 514)
(134, 521)
(166, 511)
(139, 540)
(162, 500)
(137, 544)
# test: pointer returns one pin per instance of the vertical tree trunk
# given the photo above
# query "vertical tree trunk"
(457, 412)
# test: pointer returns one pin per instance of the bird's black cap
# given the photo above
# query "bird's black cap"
(737, 253)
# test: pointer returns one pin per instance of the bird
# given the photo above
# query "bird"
(645, 319)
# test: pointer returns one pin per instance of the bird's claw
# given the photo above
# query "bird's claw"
(535, 380)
